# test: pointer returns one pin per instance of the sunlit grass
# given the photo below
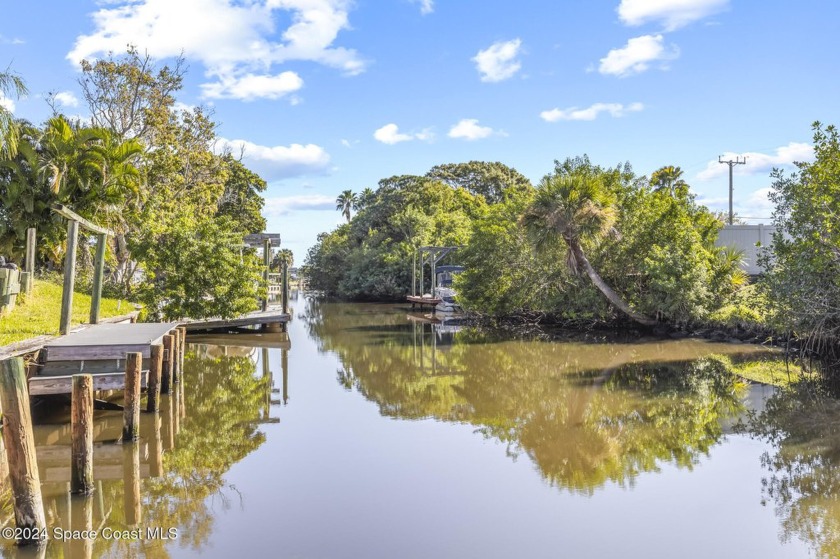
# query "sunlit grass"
(39, 313)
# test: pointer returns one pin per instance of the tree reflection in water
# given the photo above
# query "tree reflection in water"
(803, 472)
(209, 424)
(586, 412)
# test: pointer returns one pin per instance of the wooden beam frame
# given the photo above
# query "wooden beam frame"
(64, 211)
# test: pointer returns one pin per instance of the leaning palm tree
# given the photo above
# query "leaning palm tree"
(345, 202)
(11, 85)
(576, 208)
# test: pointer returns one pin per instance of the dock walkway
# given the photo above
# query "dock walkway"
(99, 350)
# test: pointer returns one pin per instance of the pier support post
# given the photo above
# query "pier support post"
(182, 350)
(153, 384)
(29, 266)
(131, 411)
(176, 351)
(20, 451)
(98, 272)
(285, 287)
(166, 375)
(267, 264)
(69, 277)
(81, 426)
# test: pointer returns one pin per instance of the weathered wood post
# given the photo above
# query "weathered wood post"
(98, 272)
(29, 265)
(132, 505)
(267, 263)
(166, 375)
(69, 277)
(131, 410)
(20, 451)
(285, 287)
(182, 347)
(81, 425)
(176, 351)
(153, 383)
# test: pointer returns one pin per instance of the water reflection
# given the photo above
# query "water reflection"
(586, 413)
(802, 480)
(173, 477)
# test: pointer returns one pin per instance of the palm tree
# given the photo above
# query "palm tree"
(668, 178)
(365, 199)
(10, 86)
(345, 202)
(576, 208)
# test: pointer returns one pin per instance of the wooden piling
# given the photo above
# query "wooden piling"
(267, 264)
(81, 425)
(20, 451)
(29, 265)
(156, 449)
(131, 411)
(182, 343)
(69, 277)
(285, 287)
(166, 374)
(176, 350)
(153, 384)
(98, 272)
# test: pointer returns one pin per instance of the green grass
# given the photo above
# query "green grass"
(39, 313)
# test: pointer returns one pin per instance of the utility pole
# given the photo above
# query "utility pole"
(732, 163)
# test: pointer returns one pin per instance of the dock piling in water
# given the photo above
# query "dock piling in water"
(81, 425)
(20, 451)
(131, 412)
(166, 375)
(153, 384)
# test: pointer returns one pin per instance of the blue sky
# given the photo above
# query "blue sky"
(326, 95)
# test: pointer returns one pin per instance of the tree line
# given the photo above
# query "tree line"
(146, 169)
(595, 243)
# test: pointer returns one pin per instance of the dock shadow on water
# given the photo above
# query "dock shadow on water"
(171, 481)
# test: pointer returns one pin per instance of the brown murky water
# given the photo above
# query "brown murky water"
(381, 435)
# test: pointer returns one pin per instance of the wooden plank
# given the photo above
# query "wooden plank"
(33, 344)
(250, 319)
(98, 272)
(69, 277)
(63, 368)
(108, 341)
(41, 386)
(64, 211)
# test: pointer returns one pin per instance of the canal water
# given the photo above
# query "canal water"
(381, 434)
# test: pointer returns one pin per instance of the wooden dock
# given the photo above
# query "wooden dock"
(99, 350)
(257, 318)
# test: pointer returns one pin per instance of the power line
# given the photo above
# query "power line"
(732, 163)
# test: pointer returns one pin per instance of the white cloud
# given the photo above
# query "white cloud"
(284, 205)
(390, 134)
(590, 113)
(237, 42)
(758, 162)
(279, 162)
(7, 103)
(672, 13)
(637, 55)
(66, 99)
(426, 6)
(250, 86)
(469, 129)
(498, 61)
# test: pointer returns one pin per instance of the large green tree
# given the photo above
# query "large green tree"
(577, 209)
(493, 180)
(804, 264)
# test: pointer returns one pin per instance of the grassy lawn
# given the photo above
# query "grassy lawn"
(40, 312)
